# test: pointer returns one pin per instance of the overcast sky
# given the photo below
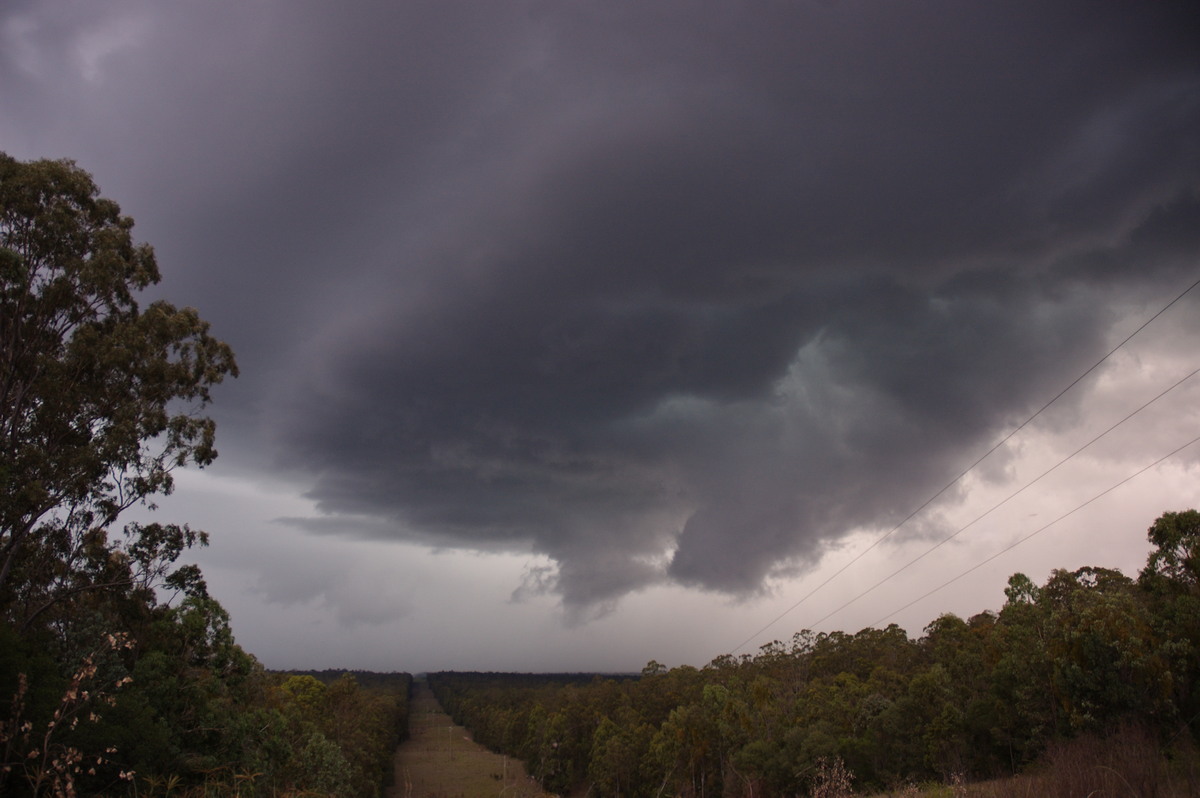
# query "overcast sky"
(576, 334)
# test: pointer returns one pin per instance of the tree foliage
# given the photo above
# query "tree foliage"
(1089, 653)
(119, 674)
(100, 399)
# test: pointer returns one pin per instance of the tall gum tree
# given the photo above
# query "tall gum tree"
(100, 399)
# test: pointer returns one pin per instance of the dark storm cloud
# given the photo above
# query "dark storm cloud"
(662, 292)
(728, 285)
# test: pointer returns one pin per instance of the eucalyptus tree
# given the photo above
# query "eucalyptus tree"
(100, 398)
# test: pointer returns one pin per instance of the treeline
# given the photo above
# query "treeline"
(372, 680)
(1090, 652)
(121, 696)
(119, 674)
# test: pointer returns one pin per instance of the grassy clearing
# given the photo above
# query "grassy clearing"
(439, 760)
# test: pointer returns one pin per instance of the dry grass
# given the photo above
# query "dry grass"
(1127, 764)
(439, 760)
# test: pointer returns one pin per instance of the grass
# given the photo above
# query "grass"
(1127, 764)
(439, 760)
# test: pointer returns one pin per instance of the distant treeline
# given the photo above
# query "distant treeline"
(1091, 652)
(370, 680)
(529, 680)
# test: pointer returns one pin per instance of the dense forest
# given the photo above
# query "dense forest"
(1091, 655)
(119, 674)
(171, 705)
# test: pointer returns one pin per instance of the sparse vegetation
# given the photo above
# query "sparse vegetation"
(439, 759)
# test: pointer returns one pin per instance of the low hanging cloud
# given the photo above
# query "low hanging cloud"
(724, 289)
(665, 293)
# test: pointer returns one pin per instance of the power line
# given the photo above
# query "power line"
(972, 466)
(1039, 530)
(1008, 498)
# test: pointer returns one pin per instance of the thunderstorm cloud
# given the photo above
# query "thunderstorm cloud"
(668, 293)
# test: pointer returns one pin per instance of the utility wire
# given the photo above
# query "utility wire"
(1010, 496)
(1037, 531)
(968, 469)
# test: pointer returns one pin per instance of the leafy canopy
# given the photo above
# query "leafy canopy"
(100, 399)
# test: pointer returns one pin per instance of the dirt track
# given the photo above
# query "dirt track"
(439, 760)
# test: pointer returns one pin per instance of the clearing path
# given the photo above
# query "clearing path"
(440, 760)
